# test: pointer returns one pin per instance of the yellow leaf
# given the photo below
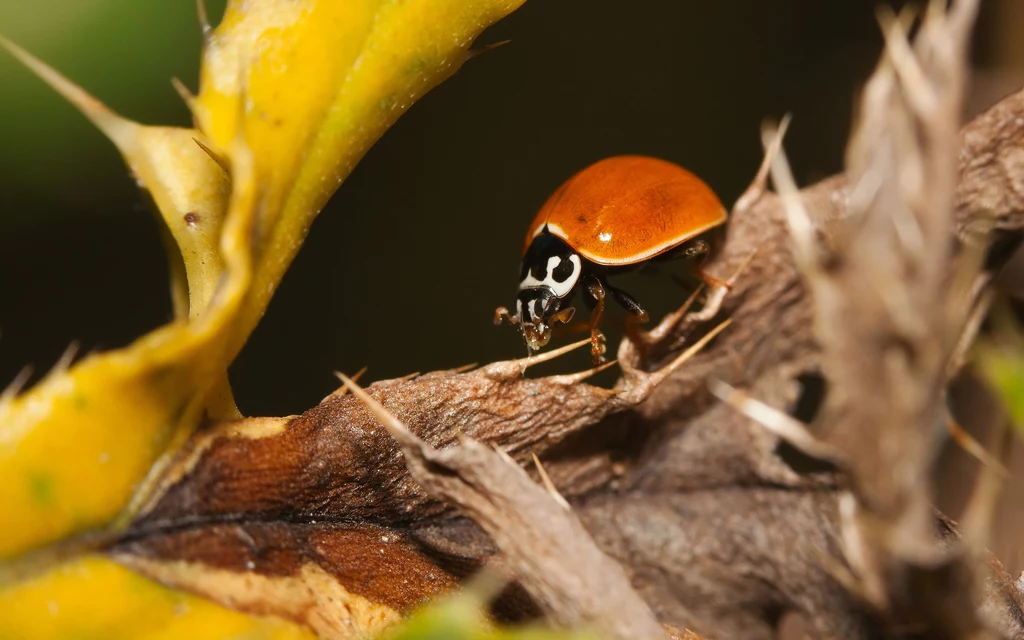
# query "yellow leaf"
(96, 598)
(323, 80)
(74, 448)
(188, 187)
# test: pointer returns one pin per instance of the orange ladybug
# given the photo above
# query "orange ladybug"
(607, 219)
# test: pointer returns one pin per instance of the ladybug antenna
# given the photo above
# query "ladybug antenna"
(501, 314)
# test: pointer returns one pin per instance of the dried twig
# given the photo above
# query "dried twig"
(880, 289)
(546, 546)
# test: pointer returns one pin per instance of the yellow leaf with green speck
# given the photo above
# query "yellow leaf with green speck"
(77, 446)
(95, 598)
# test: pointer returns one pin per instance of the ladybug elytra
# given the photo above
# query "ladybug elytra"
(608, 218)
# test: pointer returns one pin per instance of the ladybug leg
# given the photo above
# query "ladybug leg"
(637, 314)
(699, 248)
(629, 303)
(595, 290)
(696, 248)
(709, 279)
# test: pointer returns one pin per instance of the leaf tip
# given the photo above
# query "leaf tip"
(112, 125)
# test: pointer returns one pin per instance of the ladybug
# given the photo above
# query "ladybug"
(609, 218)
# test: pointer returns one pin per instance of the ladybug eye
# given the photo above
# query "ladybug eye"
(537, 308)
(536, 305)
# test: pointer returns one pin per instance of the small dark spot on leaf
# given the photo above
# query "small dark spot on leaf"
(191, 218)
(42, 489)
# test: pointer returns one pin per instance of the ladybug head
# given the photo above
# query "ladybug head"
(537, 309)
(534, 309)
(548, 279)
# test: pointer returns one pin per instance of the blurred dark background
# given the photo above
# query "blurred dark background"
(422, 242)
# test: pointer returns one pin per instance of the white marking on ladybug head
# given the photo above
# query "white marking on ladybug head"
(519, 309)
(560, 288)
(534, 315)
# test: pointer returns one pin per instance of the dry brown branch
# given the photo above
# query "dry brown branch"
(543, 544)
(719, 525)
(888, 315)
